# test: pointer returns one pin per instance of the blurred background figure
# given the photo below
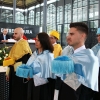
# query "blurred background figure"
(24, 37)
(96, 50)
(54, 36)
(4, 36)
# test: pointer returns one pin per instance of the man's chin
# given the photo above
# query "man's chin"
(69, 44)
(15, 39)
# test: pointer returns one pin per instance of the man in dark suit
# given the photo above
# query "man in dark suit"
(4, 36)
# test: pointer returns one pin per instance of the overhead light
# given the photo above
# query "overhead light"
(42, 4)
(22, 10)
(4, 7)
(10, 8)
(31, 8)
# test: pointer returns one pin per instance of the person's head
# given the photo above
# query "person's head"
(18, 33)
(43, 42)
(5, 31)
(77, 35)
(98, 35)
(54, 36)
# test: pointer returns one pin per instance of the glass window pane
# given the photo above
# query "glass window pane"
(38, 18)
(51, 18)
(75, 5)
(91, 1)
(25, 20)
(69, 6)
(75, 1)
(31, 18)
(69, 16)
(66, 13)
(85, 2)
(84, 14)
(19, 18)
(41, 18)
(59, 15)
(91, 12)
(74, 15)
(6, 16)
(79, 14)
(91, 24)
(96, 24)
(96, 11)
(96, 1)
(59, 28)
(66, 28)
(79, 3)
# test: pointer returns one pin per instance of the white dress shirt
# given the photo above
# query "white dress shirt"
(4, 36)
(79, 49)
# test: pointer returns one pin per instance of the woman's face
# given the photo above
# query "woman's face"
(37, 43)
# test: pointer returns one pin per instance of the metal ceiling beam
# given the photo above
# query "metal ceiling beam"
(14, 10)
(45, 16)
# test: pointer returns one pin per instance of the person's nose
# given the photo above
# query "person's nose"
(67, 37)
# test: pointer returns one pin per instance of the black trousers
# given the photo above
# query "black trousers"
(86, 93)
(17, 89)
(97, 94)
(42, 92)
(67, 93)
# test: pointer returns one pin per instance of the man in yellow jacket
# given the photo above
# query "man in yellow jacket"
(54, 36)
(19, 54)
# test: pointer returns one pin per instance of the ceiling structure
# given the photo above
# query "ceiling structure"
(20, 3)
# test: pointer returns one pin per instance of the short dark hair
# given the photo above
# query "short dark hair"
(80, 26)
(45, 41)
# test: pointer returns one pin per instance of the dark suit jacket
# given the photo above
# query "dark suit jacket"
(2, 38)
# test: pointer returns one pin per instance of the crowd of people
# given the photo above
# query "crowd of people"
(50, 73)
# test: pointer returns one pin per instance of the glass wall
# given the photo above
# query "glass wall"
(67, 19)
(31, 17)
(19, 18)
(37, 18)
(80, 10)
(6, 16)
(59, 18)
(60, 13)
(51, 18)
(75, 11)
(94, 13)
(41, 18)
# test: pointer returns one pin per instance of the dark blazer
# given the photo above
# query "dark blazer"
(2, 38)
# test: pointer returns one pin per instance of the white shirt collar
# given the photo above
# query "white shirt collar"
(79, 49)
(54, 43)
